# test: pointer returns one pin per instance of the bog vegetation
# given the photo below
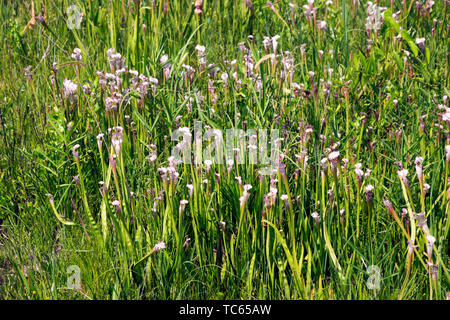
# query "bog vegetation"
(358, 206)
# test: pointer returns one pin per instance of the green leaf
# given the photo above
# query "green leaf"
(398, 61)
(427, 55)
(412, 45)
(390, 21)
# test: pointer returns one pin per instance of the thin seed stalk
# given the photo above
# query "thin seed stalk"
(85, 202)
(410, 259)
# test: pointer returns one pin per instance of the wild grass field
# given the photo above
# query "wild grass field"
(95, 97)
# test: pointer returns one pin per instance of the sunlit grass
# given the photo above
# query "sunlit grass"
(357, 209)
